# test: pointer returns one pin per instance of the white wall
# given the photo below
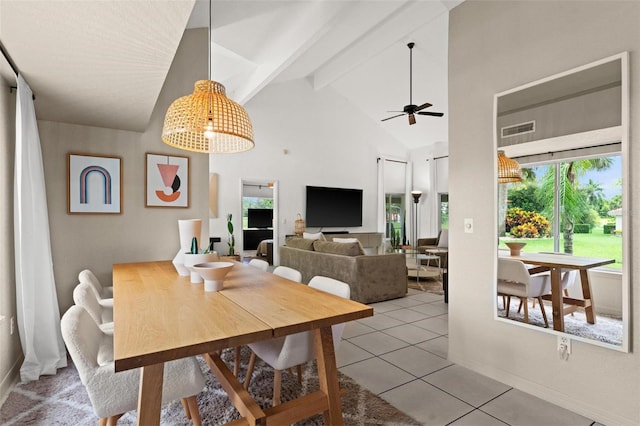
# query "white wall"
(10, 351)
(328, 143)
(139, 233)
(495, 46)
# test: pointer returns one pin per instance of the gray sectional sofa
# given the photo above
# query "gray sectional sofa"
(372, 278)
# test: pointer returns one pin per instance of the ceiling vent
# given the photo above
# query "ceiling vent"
(518, 129)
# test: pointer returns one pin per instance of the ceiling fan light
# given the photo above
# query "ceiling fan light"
(411, 109)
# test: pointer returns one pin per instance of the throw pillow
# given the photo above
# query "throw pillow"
(316, 236)
(344, 249)
(300, 243)
(350, 240)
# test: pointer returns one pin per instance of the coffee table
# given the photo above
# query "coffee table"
(416, 269)
(443, 254)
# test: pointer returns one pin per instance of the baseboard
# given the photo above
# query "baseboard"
(10, 380)
(560, 399)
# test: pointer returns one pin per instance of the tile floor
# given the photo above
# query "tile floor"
(401, 354)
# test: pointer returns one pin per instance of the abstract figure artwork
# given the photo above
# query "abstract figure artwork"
(94, 184)
(167, 181)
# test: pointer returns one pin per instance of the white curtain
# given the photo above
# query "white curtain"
(382, 211)
(37, 302)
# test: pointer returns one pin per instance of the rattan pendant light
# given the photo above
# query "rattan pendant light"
(207, 121)
(508, 169)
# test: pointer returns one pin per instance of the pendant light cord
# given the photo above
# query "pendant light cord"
(210, 42)
(210, 77)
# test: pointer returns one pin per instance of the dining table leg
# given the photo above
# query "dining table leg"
(557, 300)
(586, 295)
(328, 374)
(150, 394)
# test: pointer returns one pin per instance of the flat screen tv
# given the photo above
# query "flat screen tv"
(260, 218)
(333, 207)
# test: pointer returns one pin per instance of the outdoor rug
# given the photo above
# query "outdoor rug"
(62, 400)
(606, 329)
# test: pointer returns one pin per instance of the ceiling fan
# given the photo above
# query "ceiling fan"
(412, 109)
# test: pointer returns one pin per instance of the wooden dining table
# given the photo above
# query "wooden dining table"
(555, 263)
(160, 316)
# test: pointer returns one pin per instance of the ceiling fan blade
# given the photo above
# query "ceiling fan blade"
(412, 119)
(395, 116)
(434, 114)
(423, 106)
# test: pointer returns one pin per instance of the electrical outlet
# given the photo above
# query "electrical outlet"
(468, 225)
(12, 327)
(564, 347)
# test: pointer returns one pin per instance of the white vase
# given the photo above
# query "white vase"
(188, 228)
(195, 259)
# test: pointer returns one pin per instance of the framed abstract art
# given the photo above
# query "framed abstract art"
(94, 184)
(167, 181)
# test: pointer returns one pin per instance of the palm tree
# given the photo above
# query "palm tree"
(594, 194)
(571, 200)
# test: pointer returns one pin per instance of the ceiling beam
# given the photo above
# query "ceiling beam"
(398, 25)
(295, 39)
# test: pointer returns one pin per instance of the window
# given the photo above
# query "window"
(443, 211)
(573, 206)
(395, 218)
(254, 203)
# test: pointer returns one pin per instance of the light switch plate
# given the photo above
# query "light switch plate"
(468, 225)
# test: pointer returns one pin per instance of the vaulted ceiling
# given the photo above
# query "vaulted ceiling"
(103, 63)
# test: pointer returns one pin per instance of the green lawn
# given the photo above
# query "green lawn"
(595, 244)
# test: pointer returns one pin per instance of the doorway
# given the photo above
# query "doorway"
(259, 213)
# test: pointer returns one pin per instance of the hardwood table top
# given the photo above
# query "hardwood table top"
(557, 260)
(286, 306)
(160, 316)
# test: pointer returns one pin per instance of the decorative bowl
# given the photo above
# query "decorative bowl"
(515, 248)
(193, 259)
(213, 274)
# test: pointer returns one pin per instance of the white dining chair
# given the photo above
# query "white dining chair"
(285, 272)
(288, 273)
(104, 294)
(113, 394)
(260, 264)
(514, 280)
(295, 349)
(83, 295)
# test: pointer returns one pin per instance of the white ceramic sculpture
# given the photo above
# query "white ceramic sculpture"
(188, 229)
(213, 274)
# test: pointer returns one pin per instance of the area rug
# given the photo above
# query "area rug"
(428, 284)
(62, 400)
(606, 329)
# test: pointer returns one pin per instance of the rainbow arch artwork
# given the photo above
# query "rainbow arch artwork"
(84, 177)
(94, 184)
